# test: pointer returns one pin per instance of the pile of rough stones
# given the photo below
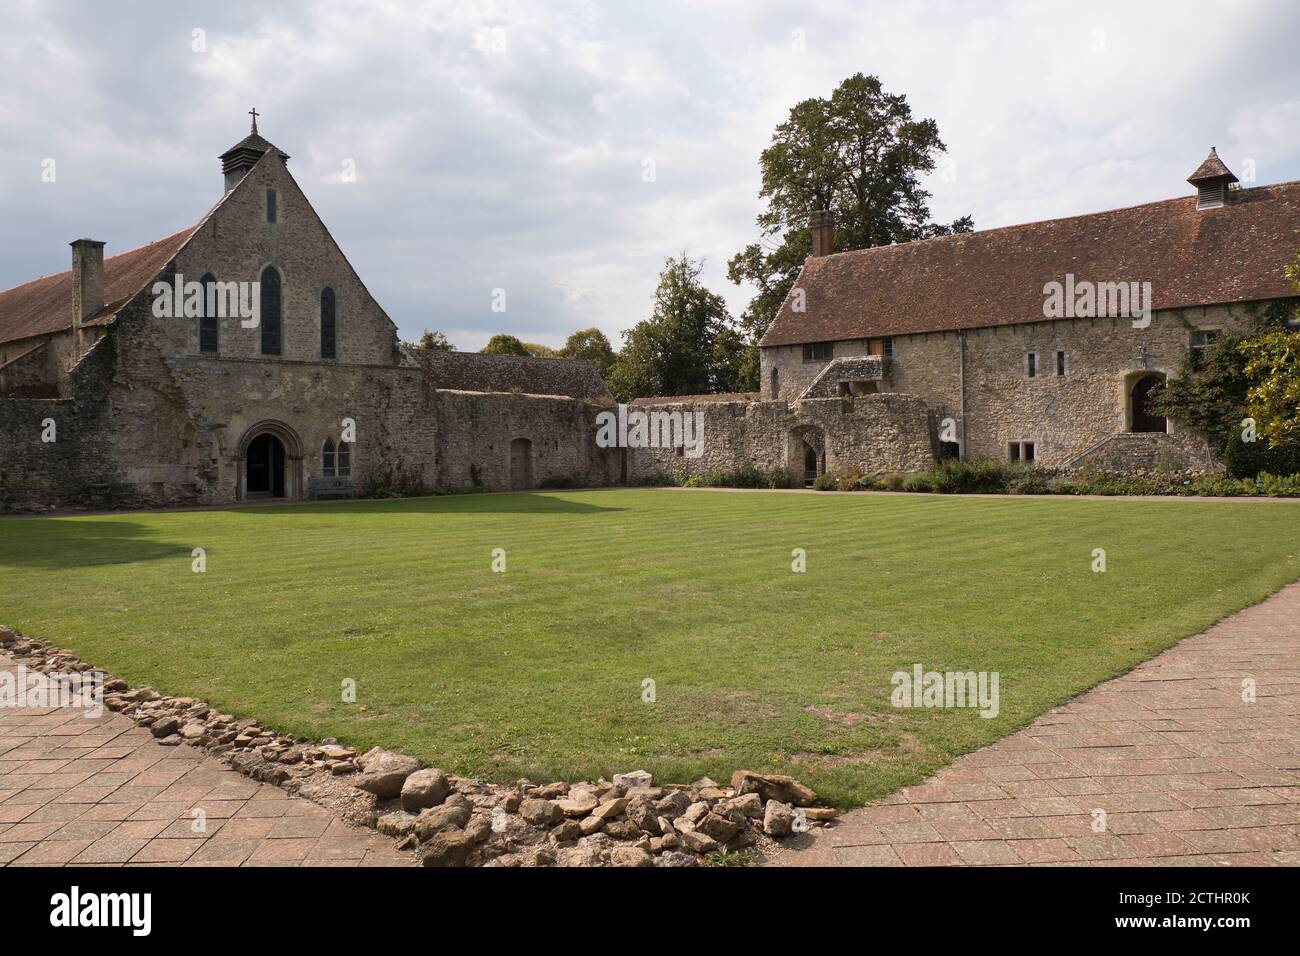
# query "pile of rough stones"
(455, 821)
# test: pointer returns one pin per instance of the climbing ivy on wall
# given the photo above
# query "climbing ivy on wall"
(1212, 396)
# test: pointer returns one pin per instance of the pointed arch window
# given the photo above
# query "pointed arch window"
(345, 459)
(270, 315)
(328, 326)
(327, 459)
(209, 330)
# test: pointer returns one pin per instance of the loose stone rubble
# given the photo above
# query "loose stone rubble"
(455, 821)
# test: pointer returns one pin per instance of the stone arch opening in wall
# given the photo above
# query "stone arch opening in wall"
(521, 464)
(1139, 414)
(269, 462)
(805, 454)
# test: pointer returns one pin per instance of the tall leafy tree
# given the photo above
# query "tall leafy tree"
(861, 154)
(684, 347)
(590, 345)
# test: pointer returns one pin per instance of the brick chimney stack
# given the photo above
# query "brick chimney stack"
(822, 226)
(87, 283)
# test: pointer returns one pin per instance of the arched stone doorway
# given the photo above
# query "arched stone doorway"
(805, 454)
(1142, 417)
(521, 464)
(264, 467)
(269, 462)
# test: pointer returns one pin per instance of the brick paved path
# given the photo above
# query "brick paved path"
(81, 791)
(1185, 771)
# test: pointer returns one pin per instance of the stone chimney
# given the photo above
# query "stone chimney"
(821, 225)
(87, 282)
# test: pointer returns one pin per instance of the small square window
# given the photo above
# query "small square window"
(270, 205)
(1031, 364)
(1022, 451)
(889, 348)
(1060, 363)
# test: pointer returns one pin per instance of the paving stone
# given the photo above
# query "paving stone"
(103, 792)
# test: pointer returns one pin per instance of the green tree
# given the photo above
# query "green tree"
(859, 154)
(502, 344)
(682, 349)
(435, 340)
(537, 350)
(590, 345)
(1273, 399)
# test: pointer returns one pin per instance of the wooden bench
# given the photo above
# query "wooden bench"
(318, 488)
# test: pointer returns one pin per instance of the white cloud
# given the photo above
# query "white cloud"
(501, 144)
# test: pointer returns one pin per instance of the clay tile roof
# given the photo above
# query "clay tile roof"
(1212, 168)
(45, 305)
(1235, 253)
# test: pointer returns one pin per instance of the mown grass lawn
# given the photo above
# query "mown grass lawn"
(539, 671)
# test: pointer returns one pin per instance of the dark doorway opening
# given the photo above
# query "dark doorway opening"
(809, 464)
(1145, 418)
(264, 468)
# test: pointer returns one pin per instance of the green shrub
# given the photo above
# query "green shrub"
(1277, 486)
(917, 481)
(867, 483)
(1247, 459)
(891, 481)
(1030, 481)
(561, 481)
(656, 480)
(983, 476)
(825, 483)
(747, 475)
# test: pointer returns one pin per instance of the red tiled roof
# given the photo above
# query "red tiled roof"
(45, 305)
(1235, 253)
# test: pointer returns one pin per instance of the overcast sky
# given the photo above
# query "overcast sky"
(502, 144)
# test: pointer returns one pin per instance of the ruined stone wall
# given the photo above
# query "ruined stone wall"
(872, 433)
(77, 468)
(476, 429)
(36, 368)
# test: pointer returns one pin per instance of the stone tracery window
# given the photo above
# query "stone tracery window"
(327, 459)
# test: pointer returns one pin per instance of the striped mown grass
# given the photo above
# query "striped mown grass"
(540, 670)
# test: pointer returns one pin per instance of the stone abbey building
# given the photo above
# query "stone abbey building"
(271, 372)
